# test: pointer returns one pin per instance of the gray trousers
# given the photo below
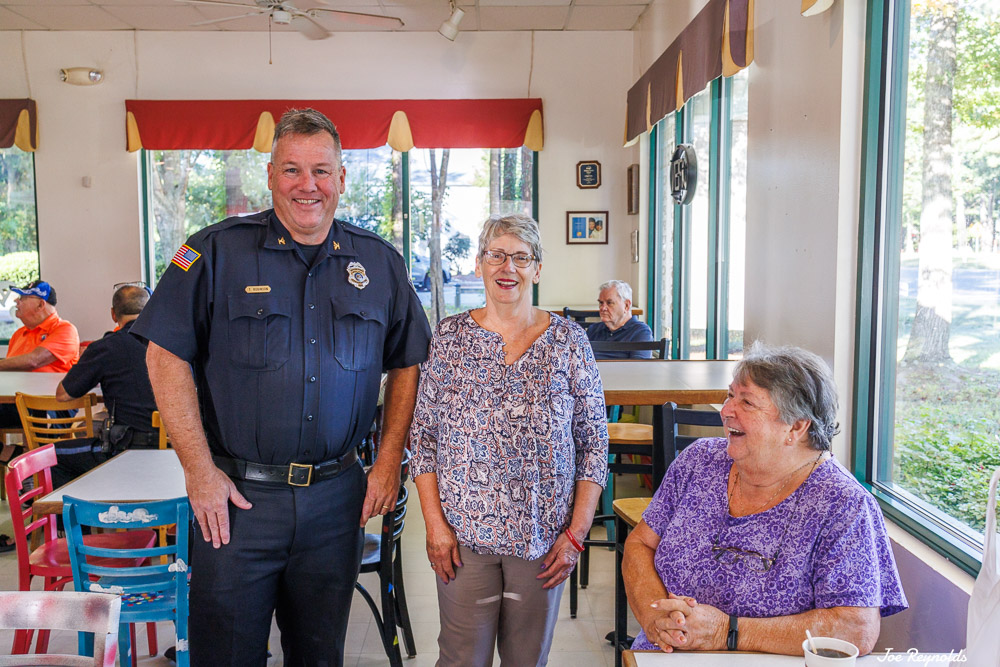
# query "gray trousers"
(496, 601)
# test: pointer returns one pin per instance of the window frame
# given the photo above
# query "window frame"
(34, 195)
(719, 213)
(877, 301)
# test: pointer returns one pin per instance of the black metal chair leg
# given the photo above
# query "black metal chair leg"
(572, 594)
(585, 566)
(390, 639)
(402, 614)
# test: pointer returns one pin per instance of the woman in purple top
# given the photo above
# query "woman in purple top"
(754, 538)
(510, 445)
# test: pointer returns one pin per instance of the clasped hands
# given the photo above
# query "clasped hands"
(678, 621)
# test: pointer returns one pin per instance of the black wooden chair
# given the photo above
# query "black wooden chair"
(383, 554)
(661, 346)
(582, 316)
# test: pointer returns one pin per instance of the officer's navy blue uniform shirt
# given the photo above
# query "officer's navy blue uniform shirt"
(633, 331)
(118, 363)
(287, 357)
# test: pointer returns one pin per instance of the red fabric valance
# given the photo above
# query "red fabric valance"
(717, 42)
(19, 124)
(403, 124)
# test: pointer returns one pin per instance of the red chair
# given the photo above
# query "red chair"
(50, 560)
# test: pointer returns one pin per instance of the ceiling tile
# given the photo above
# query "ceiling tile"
(156, 18)
(72, 17)
(10, 20)
(523, 3)
(604, 18)
(522, 18)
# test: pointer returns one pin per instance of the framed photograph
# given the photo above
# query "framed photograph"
(586, 227)
(588, 174)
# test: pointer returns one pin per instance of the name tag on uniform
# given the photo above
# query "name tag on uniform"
(258, 289)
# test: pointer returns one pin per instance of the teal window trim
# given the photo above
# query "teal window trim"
(147, 238)
(884, 105)
(723, 219)
(714, 171)
(652, 237)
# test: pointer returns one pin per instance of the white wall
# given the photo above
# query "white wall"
(91, 238)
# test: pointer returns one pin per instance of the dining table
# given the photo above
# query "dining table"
(135, 475)
(26, 382)
(749, 659)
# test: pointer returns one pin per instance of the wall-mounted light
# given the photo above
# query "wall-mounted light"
(81, 76)
(450, 27)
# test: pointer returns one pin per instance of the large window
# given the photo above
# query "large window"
(390, 193)
(697, 302)
(928, 395)
(18, 229)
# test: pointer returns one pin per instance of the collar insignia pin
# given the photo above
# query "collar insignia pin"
(356, 275)
(281, 240)
(336, 246)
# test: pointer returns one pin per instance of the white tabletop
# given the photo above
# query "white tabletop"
(135, 475)
(728, 659)
(41, 384)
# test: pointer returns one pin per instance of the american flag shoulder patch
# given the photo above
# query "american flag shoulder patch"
(185, 257)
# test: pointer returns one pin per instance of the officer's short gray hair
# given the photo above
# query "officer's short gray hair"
(800, 385)
(623, 288)
(306, 122)
(521, 226)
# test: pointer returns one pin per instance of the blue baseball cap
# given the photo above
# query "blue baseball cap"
(38, 288)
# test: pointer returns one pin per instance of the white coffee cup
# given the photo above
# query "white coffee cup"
(813, 660)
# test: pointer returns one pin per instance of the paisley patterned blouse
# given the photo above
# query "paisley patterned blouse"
(508, 443)
(827, 539)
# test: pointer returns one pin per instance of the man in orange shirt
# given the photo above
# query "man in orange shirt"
(46, 343)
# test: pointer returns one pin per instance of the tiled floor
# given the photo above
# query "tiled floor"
(578, 642)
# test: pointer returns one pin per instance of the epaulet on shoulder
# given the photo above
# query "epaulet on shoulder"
(358, 231)
(258, 219)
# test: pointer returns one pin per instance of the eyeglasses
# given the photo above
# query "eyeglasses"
(134, 283)
(754, 559)
(522, 260)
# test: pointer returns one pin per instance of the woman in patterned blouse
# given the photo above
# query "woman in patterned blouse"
(510, 446)
(754, 538)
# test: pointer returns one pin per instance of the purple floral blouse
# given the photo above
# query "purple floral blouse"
(509, 443)
(827, 539)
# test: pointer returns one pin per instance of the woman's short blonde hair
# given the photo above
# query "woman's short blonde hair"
(521, 226)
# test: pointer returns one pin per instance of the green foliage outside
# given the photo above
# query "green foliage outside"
(20, 268)
(946, 438)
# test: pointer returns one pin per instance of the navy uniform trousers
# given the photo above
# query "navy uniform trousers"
(297, 551)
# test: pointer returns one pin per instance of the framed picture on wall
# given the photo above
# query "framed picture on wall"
(586, 227)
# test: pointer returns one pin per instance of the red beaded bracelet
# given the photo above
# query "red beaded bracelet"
(573, 541)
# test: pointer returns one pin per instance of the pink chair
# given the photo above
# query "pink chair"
(50, 560)
(64, 610)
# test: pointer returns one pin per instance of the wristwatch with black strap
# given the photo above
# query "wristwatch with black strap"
(733, 637)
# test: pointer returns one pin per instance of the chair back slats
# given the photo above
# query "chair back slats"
(581, 316)
(675, 417)
(35, 463)
(40, 429)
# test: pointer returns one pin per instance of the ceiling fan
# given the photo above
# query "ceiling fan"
(303, 20)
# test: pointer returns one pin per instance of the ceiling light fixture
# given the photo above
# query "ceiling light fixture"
(450, 27)
(81, 76)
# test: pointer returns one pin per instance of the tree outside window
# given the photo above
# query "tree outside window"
(18, 229)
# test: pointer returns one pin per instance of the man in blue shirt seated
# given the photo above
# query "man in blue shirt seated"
(618, 324)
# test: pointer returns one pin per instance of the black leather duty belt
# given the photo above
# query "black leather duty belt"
(295, 474)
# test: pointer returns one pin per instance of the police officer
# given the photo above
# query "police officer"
(288, 318)
(118, 363)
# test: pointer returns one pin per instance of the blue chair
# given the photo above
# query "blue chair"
(157, 591)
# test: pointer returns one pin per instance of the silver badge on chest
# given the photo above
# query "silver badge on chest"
(356, 275)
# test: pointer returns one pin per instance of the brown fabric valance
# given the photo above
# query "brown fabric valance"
(403, 124)
(19, 124)
(718, 42)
